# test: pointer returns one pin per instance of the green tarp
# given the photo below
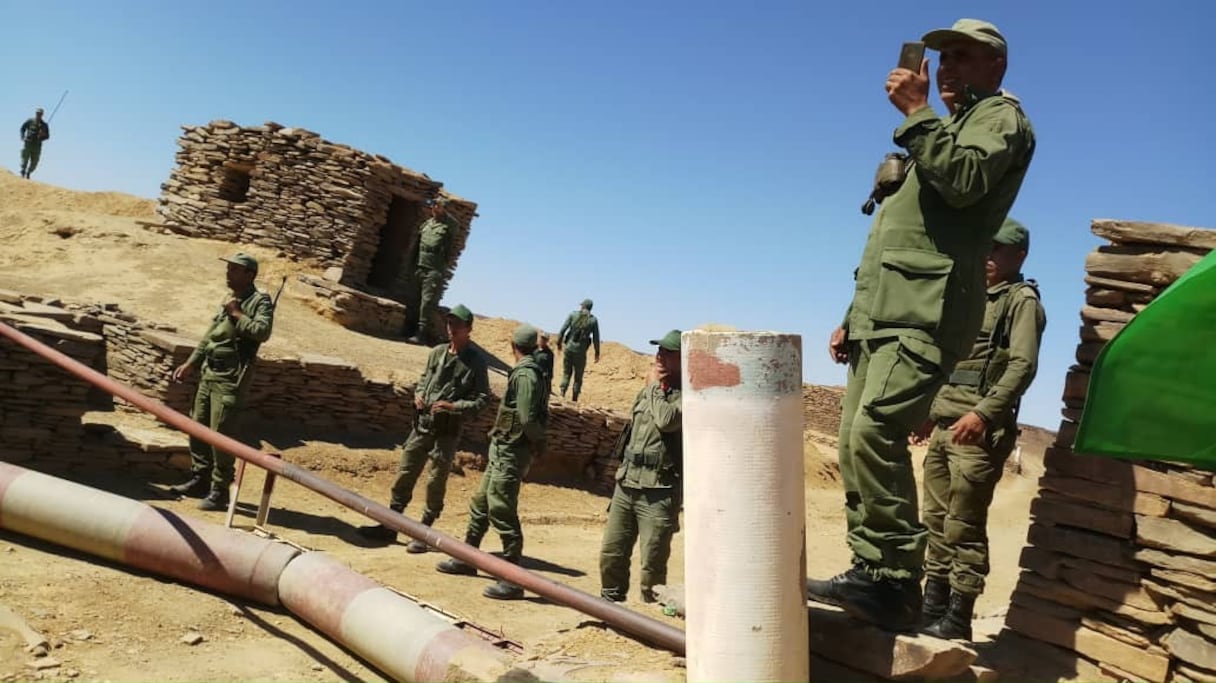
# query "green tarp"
(1152, 389)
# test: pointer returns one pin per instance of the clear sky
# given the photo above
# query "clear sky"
(678, 162)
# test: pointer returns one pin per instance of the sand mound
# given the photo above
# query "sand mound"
(31, 195)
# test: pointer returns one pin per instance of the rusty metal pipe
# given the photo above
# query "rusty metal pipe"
(649, 630)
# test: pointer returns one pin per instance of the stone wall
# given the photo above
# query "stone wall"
(312, 396)
(1121, 555)
(289, 189)
(352, 308)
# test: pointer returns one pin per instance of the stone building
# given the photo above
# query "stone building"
(354, 213)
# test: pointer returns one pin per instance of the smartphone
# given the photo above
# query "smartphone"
(911, 56)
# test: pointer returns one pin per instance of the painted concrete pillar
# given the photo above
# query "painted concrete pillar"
(744, 507)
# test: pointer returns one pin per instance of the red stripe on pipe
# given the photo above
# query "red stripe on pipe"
(436, 657)
(645, 628)
(324, 609)
(202, 553)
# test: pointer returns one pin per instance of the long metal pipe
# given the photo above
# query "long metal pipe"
(645, 628)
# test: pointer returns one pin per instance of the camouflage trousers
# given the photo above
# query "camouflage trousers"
(573, 364)
(216, 403)
(31, 152)
(496, 502)
(421, 448)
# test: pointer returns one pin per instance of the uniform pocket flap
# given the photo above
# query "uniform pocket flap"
(917, 261)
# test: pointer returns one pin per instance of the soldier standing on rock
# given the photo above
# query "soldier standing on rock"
(434, 249)
(454, 387)
(226, 355)
(517, 437)
(974, 426)
(34, 132)
(580, 329)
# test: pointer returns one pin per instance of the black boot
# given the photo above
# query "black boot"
(890, 604)
(216, 500)
(196, 487)
(459, 567)
(956, 623)
(503, 589)
(417, 546)
(379, 532)
(937, 597)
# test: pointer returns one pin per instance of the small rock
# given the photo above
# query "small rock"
(69, 673)
(317, 667)
(679, 662)
(81, 634)
(192, 638)
(38, 649)
(45, 663)
(10, 549)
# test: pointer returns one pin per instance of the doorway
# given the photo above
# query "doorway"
(396, 235)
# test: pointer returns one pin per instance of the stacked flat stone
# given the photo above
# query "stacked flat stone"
(1120, 565)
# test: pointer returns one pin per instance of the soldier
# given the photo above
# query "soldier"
(434, 249)
(34, 132)
(976, 420)
(226, 355)
(918, 304)
(648, 486)
(544, 358)
(454, 387)
(518, 436)
(580, 328)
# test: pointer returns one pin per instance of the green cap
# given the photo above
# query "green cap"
(1014, 234)
(587, 304)
(670, 341)
(524, 336)
(461, 313)
(242, 259)
(968, 29)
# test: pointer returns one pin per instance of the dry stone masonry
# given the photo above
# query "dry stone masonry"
(1120, 565)
(290, 189)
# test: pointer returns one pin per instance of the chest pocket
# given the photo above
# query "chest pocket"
(911, 288)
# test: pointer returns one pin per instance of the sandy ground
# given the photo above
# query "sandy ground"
(108, 623)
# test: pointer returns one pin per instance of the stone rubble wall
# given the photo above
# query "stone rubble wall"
(1120, 565)
(353, 309)
(306, 196)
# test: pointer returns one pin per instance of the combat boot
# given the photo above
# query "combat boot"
(378, 532)
(216, 500)
(459, 567)
(196, 487)
(937, 597)
(890, 604)
(956, 623)
(503, 589)
(417, 546)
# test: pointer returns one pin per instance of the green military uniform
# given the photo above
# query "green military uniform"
(227, 353)
(917, 305)
(462, 378)
(647, 496)
(518, 436)
(544, 359)
(434, 244)
(580, 330)
(959, 479)
(33, 133)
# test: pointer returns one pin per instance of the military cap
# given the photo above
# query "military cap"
(461, 313)
(38, 110)
(242, 259)
(587, 304)
(968, 29)
(669, 341)
(524, 336)
(1014, 234)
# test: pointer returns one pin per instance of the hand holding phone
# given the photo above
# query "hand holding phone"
(911, 56)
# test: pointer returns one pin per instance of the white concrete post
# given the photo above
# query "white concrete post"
(744, 507)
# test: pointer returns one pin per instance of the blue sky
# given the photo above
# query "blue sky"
(678, 162)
